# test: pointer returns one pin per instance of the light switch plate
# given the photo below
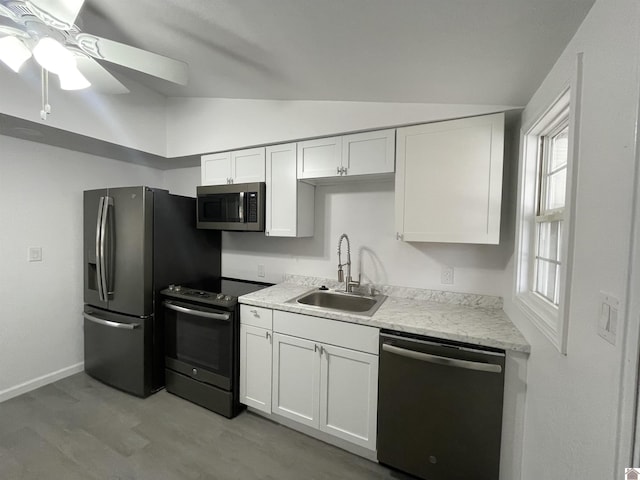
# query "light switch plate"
(608, 317)
(34, 254)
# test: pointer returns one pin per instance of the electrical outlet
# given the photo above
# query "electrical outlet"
(34, 254)
(446, 276)
(261, 270)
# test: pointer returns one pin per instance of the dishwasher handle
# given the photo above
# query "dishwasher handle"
(448, 362)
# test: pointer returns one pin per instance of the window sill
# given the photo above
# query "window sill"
(543, 315)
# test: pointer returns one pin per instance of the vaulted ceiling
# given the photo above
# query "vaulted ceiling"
(435, 51)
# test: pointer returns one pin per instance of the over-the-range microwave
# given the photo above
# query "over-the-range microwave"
(235, 207)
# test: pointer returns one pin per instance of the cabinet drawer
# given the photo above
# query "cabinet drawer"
(333, 332)
(256, 316)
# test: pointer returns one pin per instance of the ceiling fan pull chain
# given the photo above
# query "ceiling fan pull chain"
(46, 108)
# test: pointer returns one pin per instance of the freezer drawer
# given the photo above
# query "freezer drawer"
(439, 408)
(114, 350)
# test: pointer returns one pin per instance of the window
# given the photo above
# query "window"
(543, 243)
(550, 200)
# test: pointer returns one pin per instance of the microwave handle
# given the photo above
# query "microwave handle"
(241, 208)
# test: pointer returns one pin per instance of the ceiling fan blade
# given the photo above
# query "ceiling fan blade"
(60, 14)
(99, 77)
(134, 58)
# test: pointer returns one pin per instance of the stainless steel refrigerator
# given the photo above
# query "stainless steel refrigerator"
(137, 241)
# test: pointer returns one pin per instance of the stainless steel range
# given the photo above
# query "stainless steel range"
(202, 348)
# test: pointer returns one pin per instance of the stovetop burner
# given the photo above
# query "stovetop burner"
(228, 298)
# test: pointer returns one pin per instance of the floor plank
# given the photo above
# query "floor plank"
(78, 428)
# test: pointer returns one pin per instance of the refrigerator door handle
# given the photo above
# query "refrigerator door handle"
(241, 208)
(99, 265)
(107, 256)
(101, 259)
(109, 323)
(197, 313)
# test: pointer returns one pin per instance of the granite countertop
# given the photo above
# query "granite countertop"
(461, 319)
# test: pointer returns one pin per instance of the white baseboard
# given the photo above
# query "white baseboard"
(40, 381)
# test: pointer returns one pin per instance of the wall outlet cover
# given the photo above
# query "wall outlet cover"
(446, 276)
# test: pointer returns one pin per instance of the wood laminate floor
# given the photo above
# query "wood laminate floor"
(80, 429)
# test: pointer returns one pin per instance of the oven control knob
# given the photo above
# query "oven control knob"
(227, 298)
(172, 287)
(194, 371)
(220, 296)
(177, 288)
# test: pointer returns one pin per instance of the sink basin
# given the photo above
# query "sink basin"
(344, 302)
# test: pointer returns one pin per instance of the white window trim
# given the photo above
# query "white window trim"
(551, 321)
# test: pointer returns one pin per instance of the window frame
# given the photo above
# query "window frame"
(550, 319)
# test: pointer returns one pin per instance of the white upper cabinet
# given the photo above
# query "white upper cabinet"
(449, 181)
(369, 152)
(248, 165)
(239, 166)
(216, 168)
(320, 158)
(348, 155)
(290, 203)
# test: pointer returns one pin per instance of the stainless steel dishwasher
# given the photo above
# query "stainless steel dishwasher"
(439, 407)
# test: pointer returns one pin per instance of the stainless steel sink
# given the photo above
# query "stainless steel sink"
(344, 302)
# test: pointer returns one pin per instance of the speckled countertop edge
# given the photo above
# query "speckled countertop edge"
(477, 325)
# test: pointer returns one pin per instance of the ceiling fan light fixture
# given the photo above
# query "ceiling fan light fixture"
(52, 56)
(13, 52)
(73, 80)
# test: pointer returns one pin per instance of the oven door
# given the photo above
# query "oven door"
(199, 342)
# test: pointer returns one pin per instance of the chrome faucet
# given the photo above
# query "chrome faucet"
(349, 283)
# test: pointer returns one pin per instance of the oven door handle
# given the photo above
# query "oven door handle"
(197, 313)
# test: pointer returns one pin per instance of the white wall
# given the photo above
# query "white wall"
(572, 401)
(365, 211)
(41, 187)
(135, 120)
(201, 125)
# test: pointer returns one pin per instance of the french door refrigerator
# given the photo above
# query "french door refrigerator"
(137, 241)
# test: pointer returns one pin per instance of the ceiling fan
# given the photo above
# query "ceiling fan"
(46, 30)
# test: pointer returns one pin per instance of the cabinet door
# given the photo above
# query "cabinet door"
(320, 158)
(216, 168)
(296, 368)
(282, 191)
(449, 180)
(247, 165)
(369, 152)
(255, 367)
(349, 395)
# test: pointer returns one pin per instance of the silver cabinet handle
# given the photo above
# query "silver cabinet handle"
(344, 170)
(109, 323)
(269, 336)
(197, 313)
(322, 350)
(338, 170)
(255, 313)
(448, 362)
(315, 347)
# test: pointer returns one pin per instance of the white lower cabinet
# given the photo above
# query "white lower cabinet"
(296, 375)
(255, 367)
(349, 395)
(323, 373)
